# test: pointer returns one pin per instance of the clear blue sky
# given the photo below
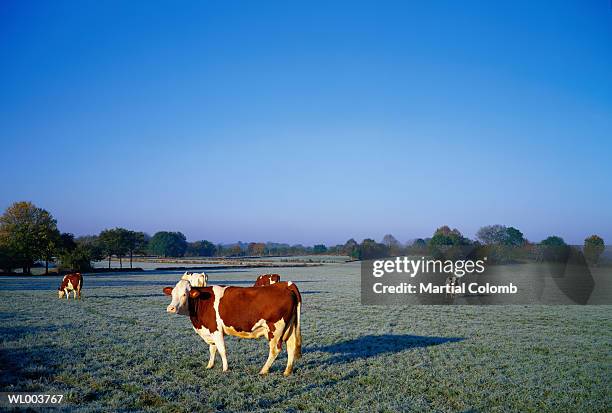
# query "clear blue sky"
(309, 122)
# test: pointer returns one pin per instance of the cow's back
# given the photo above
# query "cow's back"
(72, 282)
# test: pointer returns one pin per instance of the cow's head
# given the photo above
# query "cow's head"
(60, 293)
(179, 294)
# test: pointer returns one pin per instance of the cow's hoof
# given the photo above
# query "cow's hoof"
(263, 373)
(209, 367)
(287, 373)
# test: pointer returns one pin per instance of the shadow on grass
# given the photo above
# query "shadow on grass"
(30, 364)
(122, 296)
(14, 333)
(375, 345)
(351, 350)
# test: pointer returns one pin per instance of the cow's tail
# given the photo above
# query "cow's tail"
(297, 330)
(80, 287)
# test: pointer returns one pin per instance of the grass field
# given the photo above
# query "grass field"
(117, 349)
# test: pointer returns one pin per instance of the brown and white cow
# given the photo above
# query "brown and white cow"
(266, 279)
(272, 312)
(71, 283)
(196, 279)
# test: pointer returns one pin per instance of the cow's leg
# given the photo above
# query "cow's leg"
(220, 344)
(291, 350)
(67, 294)
(273, 353)
(275, 344)
(212, 348)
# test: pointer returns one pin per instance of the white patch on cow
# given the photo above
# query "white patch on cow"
(289, 283)
(259, 324)
(179, 304)
(218, 291)
(220, 345)
(205, 334)
(272, 281)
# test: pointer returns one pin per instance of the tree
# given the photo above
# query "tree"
(554, 241)
(77, 254)
(51, 243)
(92, 244)
(319, 249)
(514, 237)
(256, 248)
(235, 250)
(392, 244)
(221, 251)
(555, 249)
(168, 244)
(419, 243)
(124, 243)
(77, 259)
(67, 242)
(201, 249)
(500, 235)
(370, 249)
(108, 240)
(593, 248)
(448, 243)
(7, 260)
(135, 242)
(445, 236)
(390, 241)
(28, 233)
(492, 234)
(351, 248)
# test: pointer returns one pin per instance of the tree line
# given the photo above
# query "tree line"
(29, 234)
(499, 243)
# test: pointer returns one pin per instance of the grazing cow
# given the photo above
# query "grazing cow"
(196, 279)
(266, 279)
(272, 312)
(71, 282)
(451, 282)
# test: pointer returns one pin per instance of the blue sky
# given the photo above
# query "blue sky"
(309, 122)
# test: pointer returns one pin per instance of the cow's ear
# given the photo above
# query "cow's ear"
(193, 293)
(168, 290)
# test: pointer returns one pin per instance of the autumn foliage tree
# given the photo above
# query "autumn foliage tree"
(593, 248)
(256, 248)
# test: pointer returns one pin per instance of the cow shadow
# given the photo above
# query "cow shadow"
(353, 350)
(28, 365)
(376, 345)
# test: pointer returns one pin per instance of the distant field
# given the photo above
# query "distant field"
(154, 263)
(117, 349)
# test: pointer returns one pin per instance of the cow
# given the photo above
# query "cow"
(196, 279)
(272, 312)
(266, 279)
(71, 282)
